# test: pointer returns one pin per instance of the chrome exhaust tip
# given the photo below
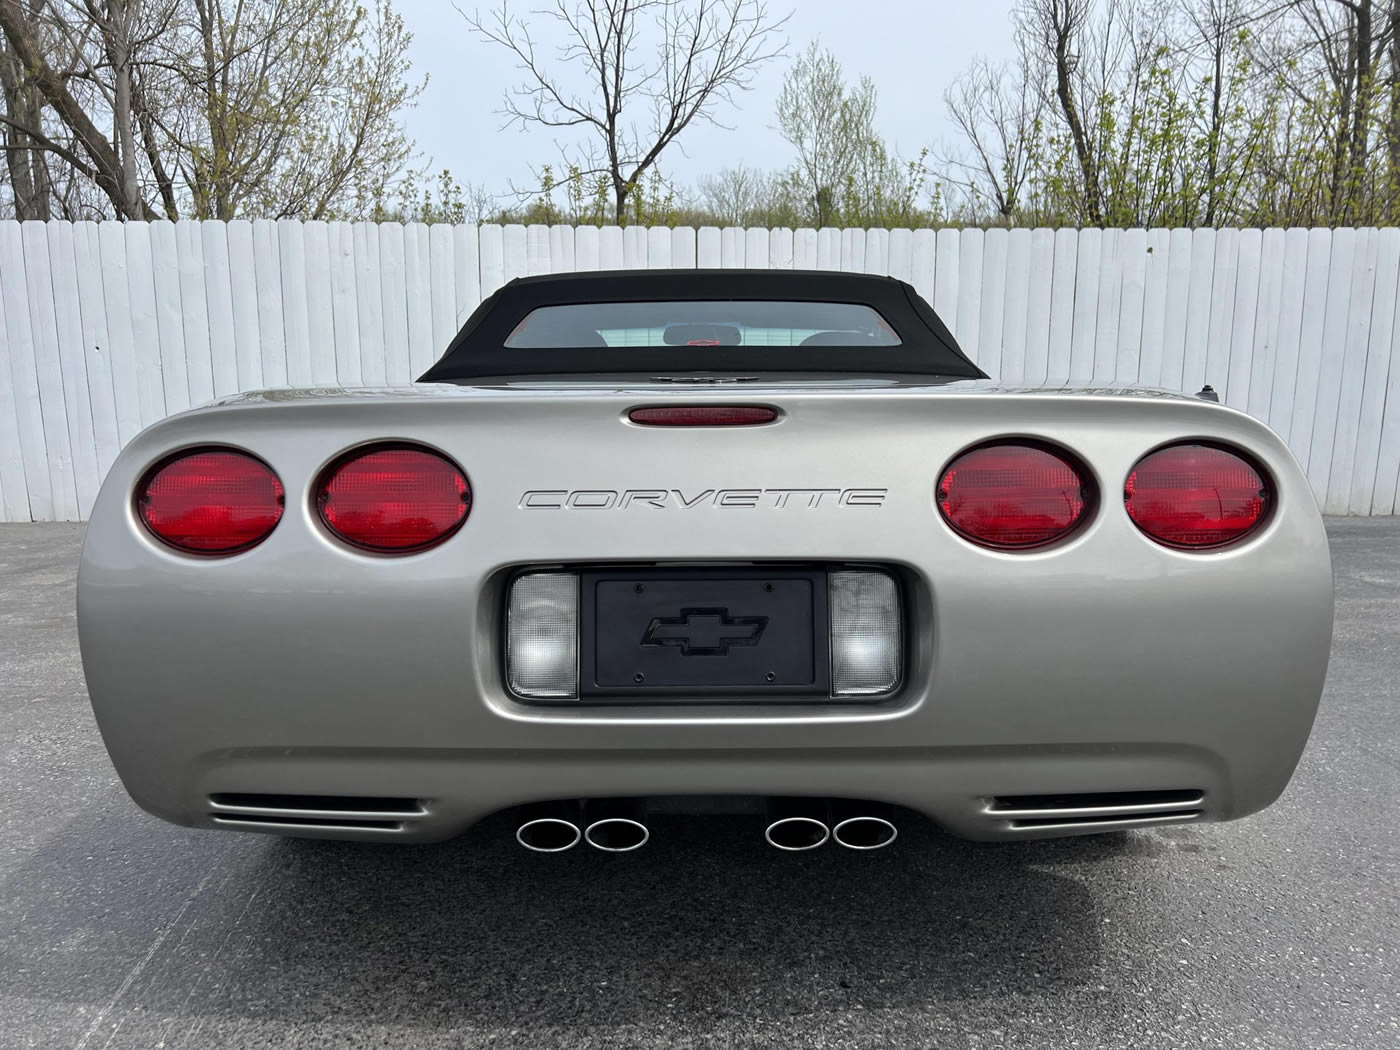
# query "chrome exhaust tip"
(796, 834)
(617, 834)
(864, 833)
(548, 835)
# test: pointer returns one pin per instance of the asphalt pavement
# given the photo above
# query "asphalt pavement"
(118, 931)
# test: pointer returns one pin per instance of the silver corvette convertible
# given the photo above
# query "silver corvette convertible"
(758, 542)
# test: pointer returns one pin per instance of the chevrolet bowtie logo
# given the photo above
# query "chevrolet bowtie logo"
(705, 632)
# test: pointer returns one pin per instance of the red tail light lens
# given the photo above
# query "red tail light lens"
(1012, 496)
(211, 501)
(703, 415)
(393, 499)
(1195, 496)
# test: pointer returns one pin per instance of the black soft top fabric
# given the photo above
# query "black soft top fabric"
(479, 351)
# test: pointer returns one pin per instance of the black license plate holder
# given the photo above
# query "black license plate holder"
(703, 633)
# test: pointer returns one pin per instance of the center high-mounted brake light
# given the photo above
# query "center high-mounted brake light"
(703, 415)
(394, 499)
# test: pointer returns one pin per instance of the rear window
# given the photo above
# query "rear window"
(702, 323)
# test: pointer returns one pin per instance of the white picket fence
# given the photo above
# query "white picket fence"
(106, 328)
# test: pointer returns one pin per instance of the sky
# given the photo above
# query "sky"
(912, 49)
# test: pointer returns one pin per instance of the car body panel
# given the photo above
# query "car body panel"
(1105, 662)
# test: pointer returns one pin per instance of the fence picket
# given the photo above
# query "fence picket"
(393, 296)
(320, 305)
(1378, 434)
(780, 249)
(1132, 255)
(610, 248)
(243, 276)
(1234, 388)
(515, 257)
(417, 296)
(492, 266)
(272, 333)
(370, 305)
(1272, 250)
(659, 248)
(116, 287)
(296, 323)
(1222, 300)
(1339, 442)
(1156, 271)
(634, 248)
(537, 249)
(945, 277)
(561, 248)
(345, 312)
(442, 291)
(1311, 333)
(756, 248)
(901, 257)
(1324, 379)
(68, 331)
(877, 251)
(15, 494)
(1109, 303)
(23, 381)
(922, 264)
(1293, 299)
(969, 313)
(43, 342)
(145, 329)
(709, 247)
(992, 301)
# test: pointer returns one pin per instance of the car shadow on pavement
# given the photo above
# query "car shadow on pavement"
(706, 920)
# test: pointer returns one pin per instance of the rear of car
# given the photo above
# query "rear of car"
(388, 614)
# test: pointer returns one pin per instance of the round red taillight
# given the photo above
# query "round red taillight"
(1195, 496)
(211, 501)
(393, 499)
(1012, 496)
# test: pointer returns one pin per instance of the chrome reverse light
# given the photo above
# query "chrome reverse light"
(542, 636)
(866, 641)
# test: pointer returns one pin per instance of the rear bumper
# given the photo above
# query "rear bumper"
(433, 795)
(1103, 664)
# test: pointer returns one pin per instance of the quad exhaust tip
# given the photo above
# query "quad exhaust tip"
(548, 835)
(864, 833)
(795, 834)
(617, 834)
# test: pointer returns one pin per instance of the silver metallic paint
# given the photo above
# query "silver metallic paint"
(1104, 663)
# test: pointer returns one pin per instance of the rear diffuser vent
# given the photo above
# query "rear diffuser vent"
(327, 812)
(1119, 809)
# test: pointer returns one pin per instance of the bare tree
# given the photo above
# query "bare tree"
(735, 196)
(215, 108)
(32, 34)
(1060, 26)
(999, 111)
(31, 184)
(705, 51)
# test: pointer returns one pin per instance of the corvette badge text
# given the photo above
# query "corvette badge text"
(612, 499)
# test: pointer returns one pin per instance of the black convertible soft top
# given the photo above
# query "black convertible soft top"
(925, 346)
